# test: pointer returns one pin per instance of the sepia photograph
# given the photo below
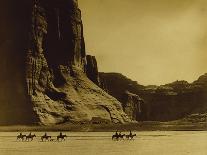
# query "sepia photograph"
(103, 77)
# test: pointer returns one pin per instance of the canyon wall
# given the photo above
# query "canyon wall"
(44, 67)
(168, 102)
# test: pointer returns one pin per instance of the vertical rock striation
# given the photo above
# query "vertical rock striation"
(46, 81)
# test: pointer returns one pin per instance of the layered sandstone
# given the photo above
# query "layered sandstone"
(43, 67)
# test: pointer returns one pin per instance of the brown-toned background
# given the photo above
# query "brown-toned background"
(151, 41)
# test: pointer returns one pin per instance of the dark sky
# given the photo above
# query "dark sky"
(150, 41)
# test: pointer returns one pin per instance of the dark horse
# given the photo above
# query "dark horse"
(62, 137)
(30, 137)
(21, 137)
(131, 136)
(45, 137)
(118, 136)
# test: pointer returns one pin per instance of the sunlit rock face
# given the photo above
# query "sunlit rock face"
(43, 67)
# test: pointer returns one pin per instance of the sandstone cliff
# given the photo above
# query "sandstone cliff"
(43, 67)
(133, 106)
(92, 69)
(162, 103)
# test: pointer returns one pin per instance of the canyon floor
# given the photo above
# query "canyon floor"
(141, 126)
(92, 143)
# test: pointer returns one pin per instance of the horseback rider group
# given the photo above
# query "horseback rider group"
(28, 137)
(45, 137)
(119, 136)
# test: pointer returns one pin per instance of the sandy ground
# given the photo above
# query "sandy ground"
(100, 143)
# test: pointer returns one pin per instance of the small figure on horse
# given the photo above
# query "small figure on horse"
(61, 136)
(21, 137)
(118, 136)
(130, 135)
(30, 137)
(45, 137)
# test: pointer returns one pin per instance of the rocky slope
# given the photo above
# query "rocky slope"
(162, 103)
(44, 68)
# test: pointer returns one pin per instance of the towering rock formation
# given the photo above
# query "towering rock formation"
(43, 65)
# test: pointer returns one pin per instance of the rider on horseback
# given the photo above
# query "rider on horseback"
(61, 134)
(116, 134)
(130, 133)
(120, 134)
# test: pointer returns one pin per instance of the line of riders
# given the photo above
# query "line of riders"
(119, 136)
(45, 137)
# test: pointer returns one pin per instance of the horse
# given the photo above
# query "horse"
(30, 137)
(118, 136)
(62, 137)
(45, 137)
(115, 137)
(130, 136)
(21, 137)
(121, 136)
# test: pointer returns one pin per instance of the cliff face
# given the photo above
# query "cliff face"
(117, 84)
(133, 106)
(127, 92)
(92, 69)
(162, 103)
(46, 80)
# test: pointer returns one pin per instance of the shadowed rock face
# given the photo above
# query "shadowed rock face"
(162, 103)
(133, 106)
(92, 69)
(43, 64)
